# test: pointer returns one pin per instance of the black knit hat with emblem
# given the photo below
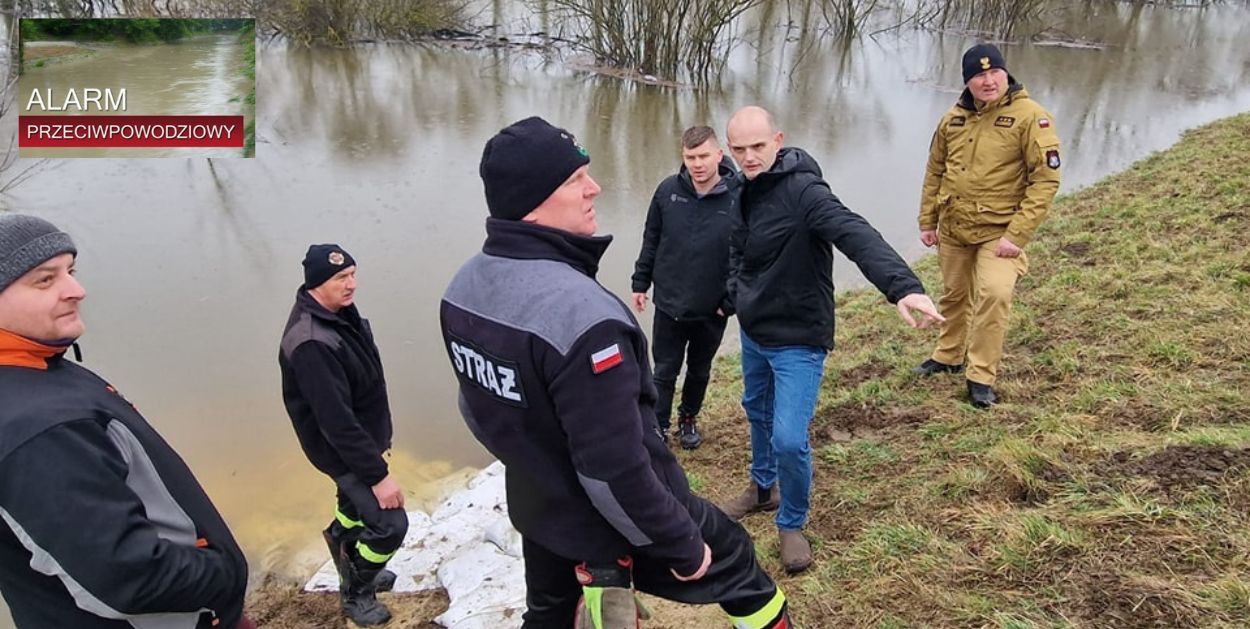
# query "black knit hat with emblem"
(322, 262)
(524, 163)
(980, 58)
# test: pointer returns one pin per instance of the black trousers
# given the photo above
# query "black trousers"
(697, 340)
(734, 580)
(375, 533)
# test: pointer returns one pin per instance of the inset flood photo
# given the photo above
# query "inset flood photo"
(137, 87)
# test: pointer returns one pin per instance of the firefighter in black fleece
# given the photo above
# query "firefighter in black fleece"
(335, 393)
(102, 526)
(554, 381)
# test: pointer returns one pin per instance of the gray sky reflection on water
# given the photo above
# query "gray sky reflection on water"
(191, 266)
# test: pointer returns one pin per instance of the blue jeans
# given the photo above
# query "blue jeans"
(781, 385)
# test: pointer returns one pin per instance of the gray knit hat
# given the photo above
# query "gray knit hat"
(25, 243)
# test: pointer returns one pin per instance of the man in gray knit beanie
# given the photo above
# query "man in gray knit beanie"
(38, 294)
(25, 241)
(72, 447)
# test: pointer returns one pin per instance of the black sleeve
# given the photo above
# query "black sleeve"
(323, 382)
(599, 413)
(650, 242)
(64, 494)
(857, 240)
(737, 241)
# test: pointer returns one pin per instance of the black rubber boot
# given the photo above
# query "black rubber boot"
(335, 545)
(359, 595)
(385, 581)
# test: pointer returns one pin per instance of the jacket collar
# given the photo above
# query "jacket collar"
(19, 351)
(790, 160)
(527, 241)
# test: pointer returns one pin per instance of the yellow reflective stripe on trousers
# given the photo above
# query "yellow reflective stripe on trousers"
(765, 615)
(370, 555)
(347, 522)
(594, 602)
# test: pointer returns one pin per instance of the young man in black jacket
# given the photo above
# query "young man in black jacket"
(782, 287)
(685, 253)
(335, 393)
(554, 380)
(102, 525)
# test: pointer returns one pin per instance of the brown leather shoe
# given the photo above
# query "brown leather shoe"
(796, 553)
(750, 501)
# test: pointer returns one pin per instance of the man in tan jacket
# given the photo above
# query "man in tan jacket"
(993, 172)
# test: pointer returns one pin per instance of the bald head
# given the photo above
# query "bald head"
(754, 140)
(753, 115)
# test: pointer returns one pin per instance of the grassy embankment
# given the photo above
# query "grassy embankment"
(247, 39)
(1112, 486)
(1111, 489)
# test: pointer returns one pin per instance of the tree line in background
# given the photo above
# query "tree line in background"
(135, 30)
(668, 38)
(690, 39)
(303, 22)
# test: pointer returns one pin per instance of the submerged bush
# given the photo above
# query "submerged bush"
(656, 37)
(339, 22)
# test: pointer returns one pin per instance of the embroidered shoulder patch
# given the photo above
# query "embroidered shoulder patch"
(606, 358)
(493, 375)
(957, 121)
(1043, 123)
(1052, 158)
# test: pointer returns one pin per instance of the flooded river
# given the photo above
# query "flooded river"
(191, 265)
(198, 76)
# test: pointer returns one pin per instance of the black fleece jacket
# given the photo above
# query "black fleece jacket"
(685, 245)
(554, 380)
(781, 277)
(335, 391)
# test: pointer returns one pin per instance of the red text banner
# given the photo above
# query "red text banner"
(129, 131)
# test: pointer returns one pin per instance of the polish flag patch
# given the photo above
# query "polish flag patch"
(1044, 123)
(606, 358)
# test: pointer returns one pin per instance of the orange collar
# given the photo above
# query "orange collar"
(19, 351)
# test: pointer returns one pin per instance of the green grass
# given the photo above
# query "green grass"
(1070, 504)
(1230, 594)
(247, 39)
(697, 484)
(862, 455)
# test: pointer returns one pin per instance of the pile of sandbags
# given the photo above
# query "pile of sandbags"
(467, 547)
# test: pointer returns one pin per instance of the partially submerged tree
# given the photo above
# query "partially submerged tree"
(664, 38)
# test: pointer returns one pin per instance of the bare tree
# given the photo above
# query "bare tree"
(655, 37)
(11, 175)
(848, 17)
(1002, 18)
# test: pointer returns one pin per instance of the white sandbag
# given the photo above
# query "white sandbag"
(499, 532)
(469, 548)
(486, 588)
